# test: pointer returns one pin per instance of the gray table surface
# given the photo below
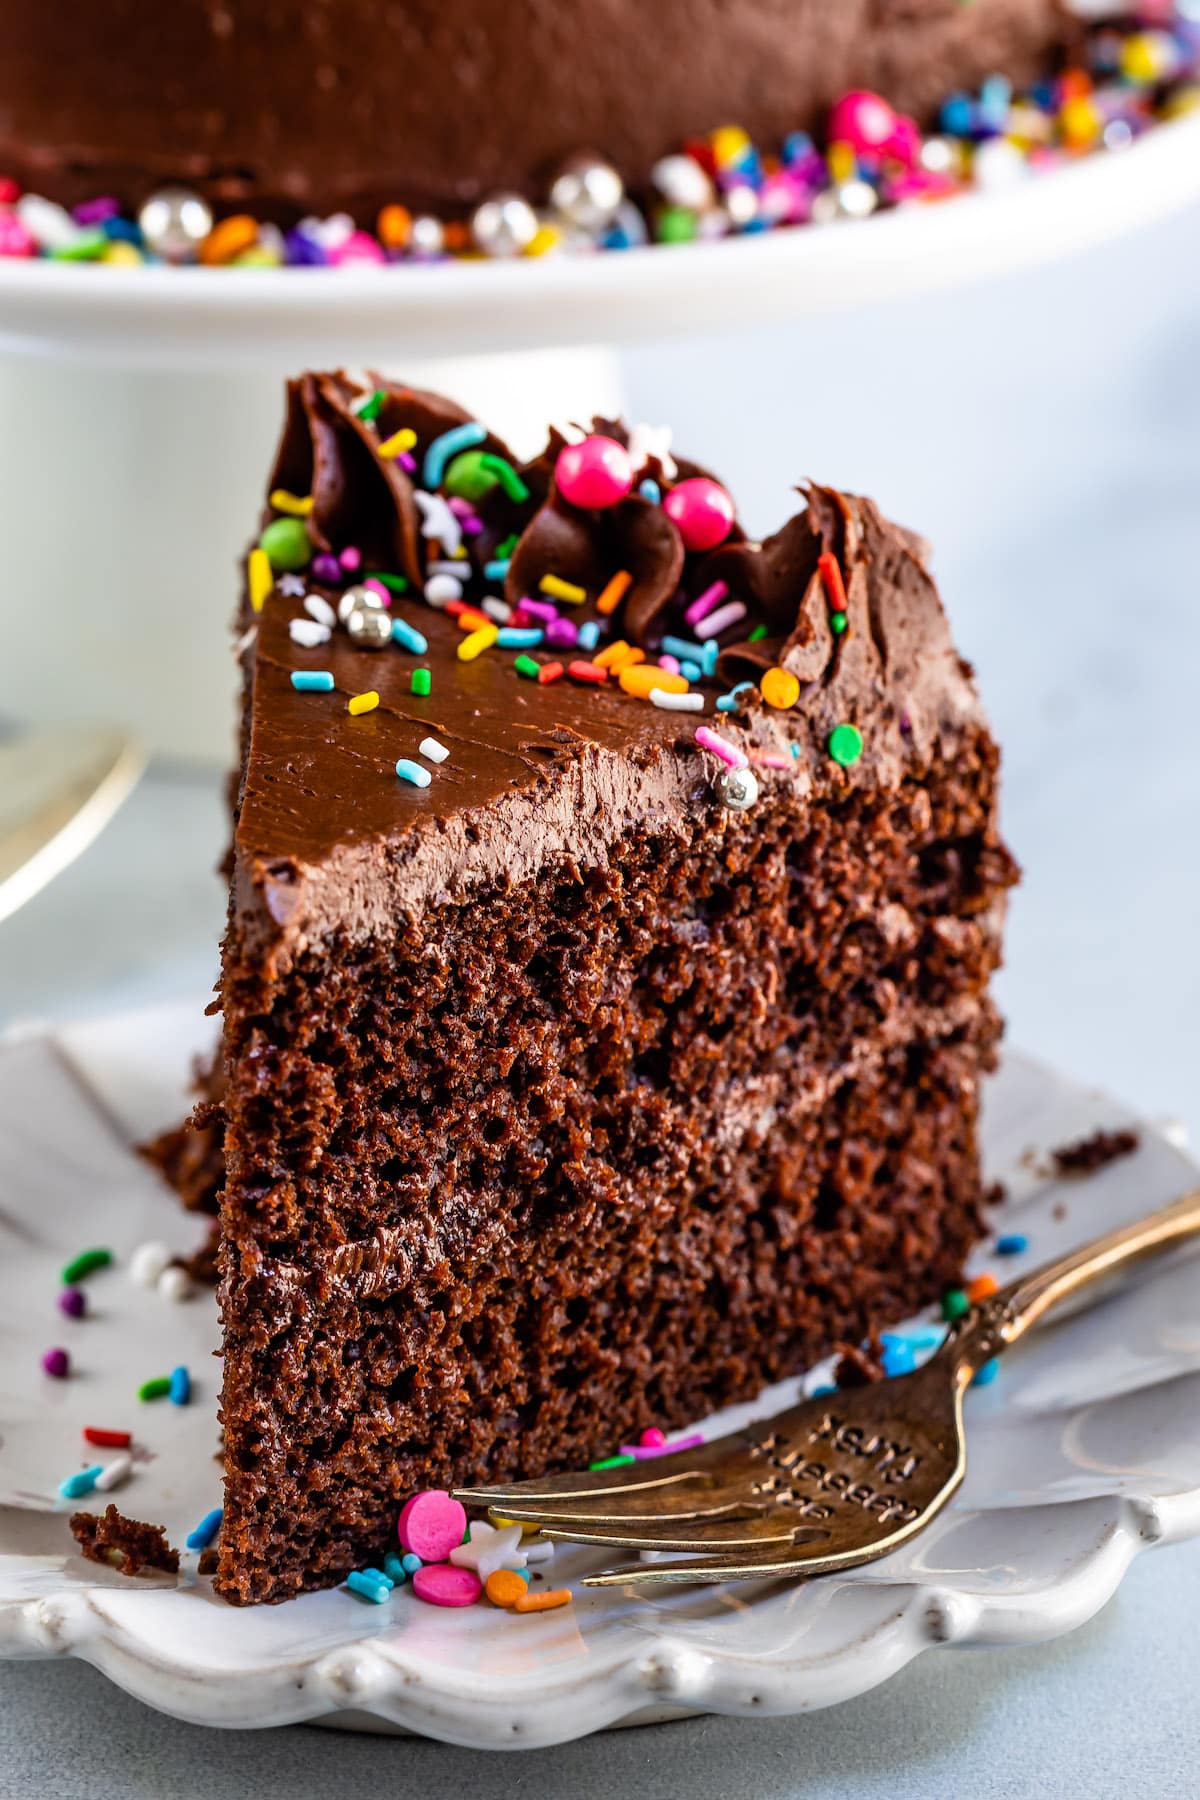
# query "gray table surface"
(1045, 433)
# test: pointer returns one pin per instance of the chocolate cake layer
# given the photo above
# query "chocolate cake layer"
(559, 1096)
(330, 104)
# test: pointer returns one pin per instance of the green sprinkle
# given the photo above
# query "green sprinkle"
(507, 547)
(395, 584)
(611, 1462)
(845, 744)
(526, 666)
(287, 544)
(155, 1389)
(757, 635)
(469, 477)
(676, 225)
(954, 1304)
(506, 475)
(86, 1263)
(837, 623)
(421, 682)
(372, 406)
(85, 248)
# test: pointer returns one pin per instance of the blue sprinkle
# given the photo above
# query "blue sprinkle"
(180, 1390)
(708, 662)
(408, 635)
(796, 146)
(589, 635)
(728, 702)
(379, 1575)
(121, 231)
(526, 1575)
(822, 1392)
(987, 1374)
(82, 1482)
(360, 1583)
(518, 637)
(691, 671)
(795, 747)
(206, 1530)
(650, 490)
(312, 681)
(684, 649)
(958, 116)
(898, 1359)
(394, 1569)
(462, 437)
(1015, 1244)
(410, 1562)
(411, 771)
(496, 571)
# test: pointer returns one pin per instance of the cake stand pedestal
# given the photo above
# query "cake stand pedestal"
(141, 406)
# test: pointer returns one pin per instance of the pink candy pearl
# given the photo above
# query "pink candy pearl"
(446, 1585)
(701, 511)
(359, 247)
(596, 472)
(864, 121)
(15, 238)
(432, 1525)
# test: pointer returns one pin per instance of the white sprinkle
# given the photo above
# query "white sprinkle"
(496, 609)
(442, 588)
(308, 632)
(432, 751)
(720, 621)
(541, 1550)
(114, 1473)
(319, 609)
(438, 520)
(677, 702)
(175, 1283)
(457, 567)
(147, 1263)
(293, 586)
(51, 224)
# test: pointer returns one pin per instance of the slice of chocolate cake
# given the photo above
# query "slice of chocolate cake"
(605, 985)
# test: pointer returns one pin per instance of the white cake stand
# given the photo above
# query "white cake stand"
(141, 405)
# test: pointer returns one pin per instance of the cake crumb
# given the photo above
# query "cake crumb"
(126, 1545)
(1094, 1152)
(858, 1365)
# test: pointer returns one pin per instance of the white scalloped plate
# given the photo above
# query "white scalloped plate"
(1085, 1451)
(212, 318)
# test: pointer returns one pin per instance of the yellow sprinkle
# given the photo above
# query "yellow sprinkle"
(639, 678)
(296, 506)
(476, 642)
(619, 656)
(780, 688)
(362, 703)
(562, 590)
(120, 252)
(544, 239)
(259, 578)
(404, 439)
(614, 592)
(842, 162)
(728, 143)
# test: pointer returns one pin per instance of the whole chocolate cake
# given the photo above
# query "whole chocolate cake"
(307, 107)
(605, 985)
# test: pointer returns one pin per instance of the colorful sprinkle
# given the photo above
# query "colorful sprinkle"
(297, 506)
(551, 671)
(107, 1440)
(180, 1389)
(477, 641)
(1014, 1243)
(987, 1374)
(831, 577)
(982, 1288)
(641, 679)
(413, 773)
(845, 744)
(409, 638)
(955, 1304)
(721, 620)
(114, 1473)
(589, 635)
(705, 603)
(609, 1462)
(729, 754)
(442, 1584)
(399, 442)
(369, 408)
(523, 638)
(82, 1482)
(558, 589)
(394, 1569)
(837, 623)
(410, 1562)
(57, 1363)
(504, 1586)
(729, 702)
(202, 1535)
(527, 667)
(72, 1301)
(683, 648)
(779, 688)
(395, 584)
(432, 750)
(312, 681)
(542, 1600)
(420, 683)
(669, 702)
(379, 1575)
(367, 1587)
(506, 475)
(613, 592)
(157, 1388)
(588, 672)
(362, 703)
(86, 1263)
(460, 437)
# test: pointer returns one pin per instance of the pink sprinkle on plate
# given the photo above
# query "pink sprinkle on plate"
(445, 1584)
(432, 1525)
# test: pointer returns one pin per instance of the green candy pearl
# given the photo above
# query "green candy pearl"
(676, 225)
(467, 478)
(845, 744)
(287, 544)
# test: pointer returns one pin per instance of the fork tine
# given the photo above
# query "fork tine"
(726, 1535)
(802, 1564)
(665, 1471)
(679, 1501)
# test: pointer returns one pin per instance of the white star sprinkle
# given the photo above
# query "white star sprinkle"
(291, 585)
(438, 520)
(647, 441)
(489, 1548)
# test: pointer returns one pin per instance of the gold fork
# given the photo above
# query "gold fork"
(831, 1483)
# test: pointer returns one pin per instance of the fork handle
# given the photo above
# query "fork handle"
(1008, 1314)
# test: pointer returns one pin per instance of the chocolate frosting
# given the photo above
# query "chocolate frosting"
(328, 839)
(317, 105)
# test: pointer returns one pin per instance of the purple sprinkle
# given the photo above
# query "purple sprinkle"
(706, 602)
(327, 568)
(459, 507)
(73, 1302)
(94, 212)
(56, 1362)
(304, 251)
(562, 634)
(407, 461)
(905, 725)
(538, 609)
(644, 1451)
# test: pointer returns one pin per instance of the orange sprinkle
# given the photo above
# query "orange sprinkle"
(469, 618)
(550, 672)
(618, 656)
(456, 235)
(228, 239)
(544, 1601)
(831, 575)
(504, 1587)
(394, 226)
(614, 592)
(982, 1288)
(638, 679)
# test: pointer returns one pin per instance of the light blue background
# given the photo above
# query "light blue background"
(1045, 433)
